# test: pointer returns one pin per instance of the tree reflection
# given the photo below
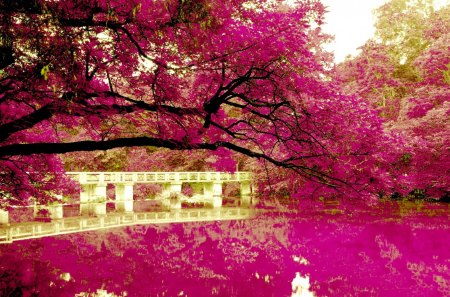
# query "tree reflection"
(362, 254)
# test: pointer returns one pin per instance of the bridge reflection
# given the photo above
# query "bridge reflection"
(30, 230)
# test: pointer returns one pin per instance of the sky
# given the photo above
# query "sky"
(352, 24)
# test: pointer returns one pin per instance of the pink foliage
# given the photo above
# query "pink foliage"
(191, 75)
(413, 97)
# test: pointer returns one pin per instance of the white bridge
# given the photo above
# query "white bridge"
(93, 200)
(159, 177)
(207, 187)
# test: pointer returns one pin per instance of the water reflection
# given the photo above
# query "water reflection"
(301, 286)
(100, 293)
(274, 254)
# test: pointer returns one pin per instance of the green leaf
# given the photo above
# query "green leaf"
(45, 70)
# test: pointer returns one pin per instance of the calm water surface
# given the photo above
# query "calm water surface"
(387, 250)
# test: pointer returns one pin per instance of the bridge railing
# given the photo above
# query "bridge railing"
(158, 177)
(31, 230)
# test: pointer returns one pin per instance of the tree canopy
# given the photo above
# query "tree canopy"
(248, 77)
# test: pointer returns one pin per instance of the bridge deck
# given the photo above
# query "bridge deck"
(29, 230)
(158, 177)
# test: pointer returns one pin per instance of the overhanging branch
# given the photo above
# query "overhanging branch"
(90, 145)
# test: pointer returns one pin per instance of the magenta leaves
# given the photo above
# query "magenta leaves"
(243, 77)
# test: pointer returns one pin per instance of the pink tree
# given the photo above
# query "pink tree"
(245, 76)
(409, 82)
(426, 119)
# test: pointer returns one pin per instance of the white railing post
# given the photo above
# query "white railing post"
(83, 223)
(57, 227)
(4, 217)
(9, 235)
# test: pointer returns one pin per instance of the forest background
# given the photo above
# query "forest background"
(199, 85)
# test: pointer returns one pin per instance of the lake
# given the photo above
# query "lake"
(386, 249)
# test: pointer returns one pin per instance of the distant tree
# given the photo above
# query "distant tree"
(405, 74)
(401, 25)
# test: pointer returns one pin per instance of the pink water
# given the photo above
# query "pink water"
(382, 251)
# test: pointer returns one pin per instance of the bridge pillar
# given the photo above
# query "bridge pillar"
(87, 191)
(213, 192)
(93, 199)
(124, 197)
(246, 191)
(4, 217)
(98, 208)
(175, 188)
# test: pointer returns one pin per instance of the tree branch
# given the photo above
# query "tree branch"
(90, 145)
(61, 148)
(27, 121)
